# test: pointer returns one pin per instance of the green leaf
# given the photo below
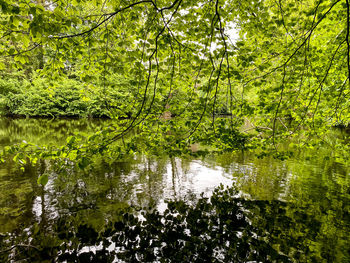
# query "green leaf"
(25, 40)
(70, 140)
(43, 179)
(84, 163)
(20, 59)
(15, 21)
(58, 13)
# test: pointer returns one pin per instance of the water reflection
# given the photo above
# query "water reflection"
(45, 131)
(223, 228)
(290, 211)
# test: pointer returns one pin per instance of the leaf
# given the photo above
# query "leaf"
(58, 13)
(20, 59)
(84, 163)
(70, 140)
(25, 40)
(43, 179)
(16, 157)
(15, 21)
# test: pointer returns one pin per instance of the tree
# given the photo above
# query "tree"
(287, 73)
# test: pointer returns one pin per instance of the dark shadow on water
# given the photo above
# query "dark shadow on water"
(223, 228)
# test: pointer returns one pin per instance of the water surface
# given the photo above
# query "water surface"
(283, 211)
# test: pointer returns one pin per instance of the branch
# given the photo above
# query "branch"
(24, 51)
(308, 35)
(278, 106)
(134, 122)
(109, 16)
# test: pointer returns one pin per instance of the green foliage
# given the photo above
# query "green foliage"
(165, 72)
(9, 86)
(168, 70)
(63, 98)
(10, 83)
(43, 179)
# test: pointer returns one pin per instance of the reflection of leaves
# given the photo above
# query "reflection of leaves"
(223, 228)
(16, 193)
(87, 235)
(44, 131)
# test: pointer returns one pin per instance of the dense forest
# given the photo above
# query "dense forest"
(181, 78)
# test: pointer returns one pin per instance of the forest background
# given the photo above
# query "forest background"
(272, 76)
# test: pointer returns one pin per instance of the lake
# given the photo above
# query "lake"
(232, 207)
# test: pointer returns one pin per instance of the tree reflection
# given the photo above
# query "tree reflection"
(223, 228)
(95, 215)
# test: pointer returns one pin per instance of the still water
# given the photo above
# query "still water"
(228, 208)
